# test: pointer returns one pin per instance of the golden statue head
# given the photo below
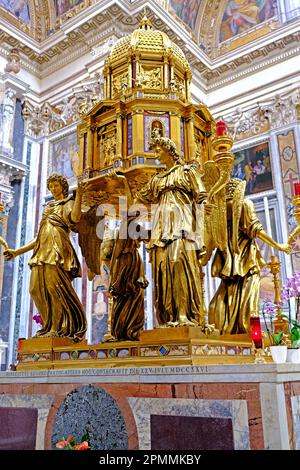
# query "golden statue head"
(167, 145)
(62, 180)
(232, 185)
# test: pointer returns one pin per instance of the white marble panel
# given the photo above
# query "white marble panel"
(274, 416)
(296, 420)
(236, 410)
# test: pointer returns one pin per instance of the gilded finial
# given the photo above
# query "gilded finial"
(145, 23)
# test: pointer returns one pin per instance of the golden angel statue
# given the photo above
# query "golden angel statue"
(119, 251)
(54, 263)
(231, 226)
(176, 239)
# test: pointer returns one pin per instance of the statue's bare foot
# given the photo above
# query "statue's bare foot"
(169, 324)
(208, 328)
(184, 321)
(49, 334)
(108, 338)
(172, 324)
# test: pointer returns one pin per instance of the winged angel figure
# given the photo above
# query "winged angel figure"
(231, 226)
(54, 264)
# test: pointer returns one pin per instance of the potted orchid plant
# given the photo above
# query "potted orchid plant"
(278, 341)
(290, 290)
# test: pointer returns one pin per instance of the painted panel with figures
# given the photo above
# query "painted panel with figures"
(63, 157)
(253, 165)
(242, 15)
(186, 11)
(18, 8)
(62, 6)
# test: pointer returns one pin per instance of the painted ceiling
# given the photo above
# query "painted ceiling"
(211, 23)
(48, 31)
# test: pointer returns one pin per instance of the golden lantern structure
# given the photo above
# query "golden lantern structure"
(146, 92)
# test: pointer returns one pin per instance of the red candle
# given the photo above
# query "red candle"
(297, 189)
(256, 334)
(221, 128)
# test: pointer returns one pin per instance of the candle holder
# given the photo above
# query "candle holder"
(259, 356)
(222, 143)
(280, 323)
(257, 338)
(296, 203)
(223, 159)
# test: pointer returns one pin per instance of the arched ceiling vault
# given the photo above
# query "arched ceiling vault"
(204, 20)
(52, 33)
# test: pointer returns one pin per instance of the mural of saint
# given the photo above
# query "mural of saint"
(253, 165)
(186, 10)
(241, 15)
(19, 8)
(62, 6)
(64, 158)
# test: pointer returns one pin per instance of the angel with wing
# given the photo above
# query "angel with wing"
(54, 263)
(231, 226)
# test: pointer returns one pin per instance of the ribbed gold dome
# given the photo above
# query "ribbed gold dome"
(147, 41)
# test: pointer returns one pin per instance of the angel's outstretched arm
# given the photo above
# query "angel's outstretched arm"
(76, 211)
(118, 174)
(294, 234)
(10, 253)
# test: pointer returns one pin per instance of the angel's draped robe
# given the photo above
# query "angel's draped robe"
(237, 296)
(54, 265)
(176, 239)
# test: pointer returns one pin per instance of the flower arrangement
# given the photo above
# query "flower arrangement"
(71, 444)
(289, 290)
(270, 308)
(38, 319)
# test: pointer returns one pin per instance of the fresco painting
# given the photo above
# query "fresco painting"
(62, 6)
(241, 15)
(253, 165)
(19, 8)
(186, 10)
(64, 157)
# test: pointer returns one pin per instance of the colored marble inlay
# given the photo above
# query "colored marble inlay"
(229, 410)
(26, 420)
(182, 135)
(18, 428)
(296, 420)
(129, 135)
(191, 433)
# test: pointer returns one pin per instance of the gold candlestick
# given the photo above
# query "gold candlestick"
(280, 324)
(296, 203)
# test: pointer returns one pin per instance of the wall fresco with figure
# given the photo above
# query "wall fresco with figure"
(290, 176)
(253, 164)
(63, 157)
(62, 6)
(186, 10)
(241, 15)
(19, 8)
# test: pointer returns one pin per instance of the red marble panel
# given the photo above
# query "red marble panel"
(18, 428)
(191, 433)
